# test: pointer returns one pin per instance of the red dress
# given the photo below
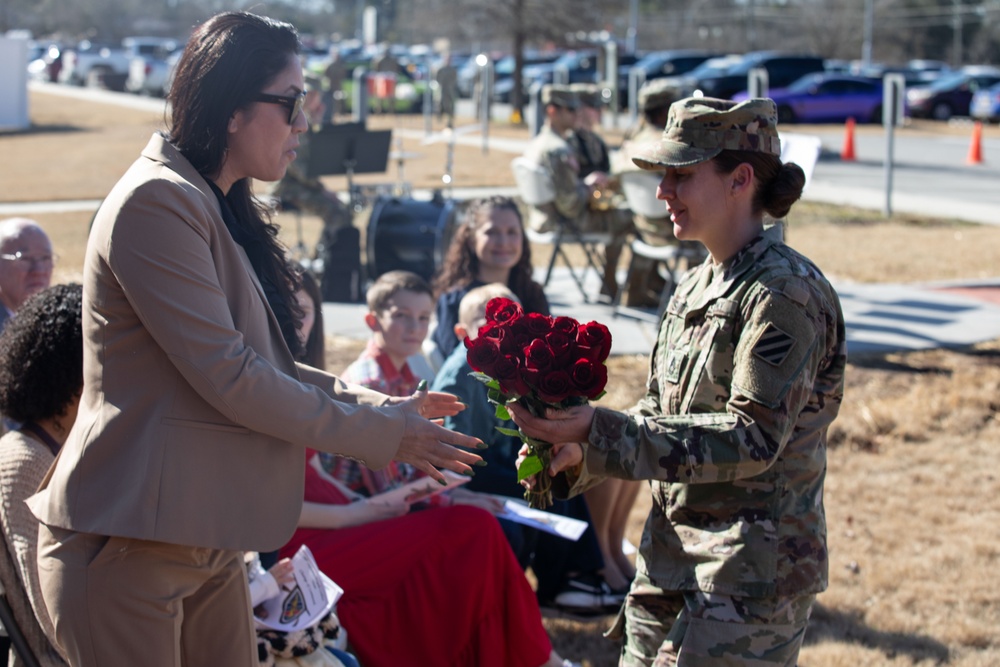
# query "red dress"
(434, 588)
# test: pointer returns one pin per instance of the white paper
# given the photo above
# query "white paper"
(421, 489)
(563, 526)
(302, 603)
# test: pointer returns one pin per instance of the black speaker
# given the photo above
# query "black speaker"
(341, 254)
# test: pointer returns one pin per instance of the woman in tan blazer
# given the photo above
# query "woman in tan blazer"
(189, 444)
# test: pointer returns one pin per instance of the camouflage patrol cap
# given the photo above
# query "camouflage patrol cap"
(657, 94)
(589, 94)
(699, 128)
(561, 96)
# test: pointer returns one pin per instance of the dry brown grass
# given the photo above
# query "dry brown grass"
(913, 491)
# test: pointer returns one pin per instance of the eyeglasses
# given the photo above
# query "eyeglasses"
(44, 262)
(293, 103)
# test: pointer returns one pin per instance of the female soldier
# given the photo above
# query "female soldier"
(190, 441)
(746, 377)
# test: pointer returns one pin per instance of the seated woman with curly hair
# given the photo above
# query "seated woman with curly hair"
(41, 375)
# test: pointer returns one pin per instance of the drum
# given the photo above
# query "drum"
(408, 235)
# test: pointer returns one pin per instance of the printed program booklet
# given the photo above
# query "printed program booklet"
(563, 526)
(302, 603)
(421, 489)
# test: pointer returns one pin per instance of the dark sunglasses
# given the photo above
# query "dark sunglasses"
(294, 104)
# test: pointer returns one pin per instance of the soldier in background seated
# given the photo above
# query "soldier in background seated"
(574, 194)
(654, 98)
(590, 148)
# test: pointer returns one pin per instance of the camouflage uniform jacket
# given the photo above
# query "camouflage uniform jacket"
(551, 151)
(746, 377)
(621, 160)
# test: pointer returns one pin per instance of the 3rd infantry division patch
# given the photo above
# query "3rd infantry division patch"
(773, 345)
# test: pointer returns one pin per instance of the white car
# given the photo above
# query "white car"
(148, 74)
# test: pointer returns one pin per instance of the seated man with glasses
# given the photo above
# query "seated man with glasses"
(26, 262)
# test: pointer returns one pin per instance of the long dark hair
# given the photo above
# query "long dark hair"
(461, 265)
(314, 351)
(228, 61)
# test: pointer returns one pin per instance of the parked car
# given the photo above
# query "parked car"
(148, 73)
(45, 62)
(503, 73)
(911, 77)
(986, 104)
(951, 94)
(782, 69)
(686, 83)
(573, 67)
(104, 64)
(661, 64)
(827, 98)
(468, 73)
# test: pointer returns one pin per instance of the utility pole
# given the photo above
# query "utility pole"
(956, 34)
(633, 23)
(869, 28)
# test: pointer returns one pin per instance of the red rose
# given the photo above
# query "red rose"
(494, 331)
(596, 338)
(537, 324)
(567, 325)
(589, 377)
(507, 372)
(538, 356)
(561, 346)
(502, 311)
(554, 387)
(517, 337)
(483, 355)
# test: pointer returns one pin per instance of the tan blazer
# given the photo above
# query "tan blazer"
(194, 416)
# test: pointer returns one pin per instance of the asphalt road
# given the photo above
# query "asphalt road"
(930, 174)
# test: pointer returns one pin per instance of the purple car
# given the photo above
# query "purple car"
(827, 98)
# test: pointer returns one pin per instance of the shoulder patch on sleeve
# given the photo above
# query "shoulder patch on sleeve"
(773, 345)
(799, 295)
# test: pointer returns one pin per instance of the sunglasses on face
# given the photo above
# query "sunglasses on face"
(292, 103)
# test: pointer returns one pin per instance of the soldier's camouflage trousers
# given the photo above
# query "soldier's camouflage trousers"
(696, 629)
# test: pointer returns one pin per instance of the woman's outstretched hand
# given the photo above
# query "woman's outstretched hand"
(426, 444)
(570, 425)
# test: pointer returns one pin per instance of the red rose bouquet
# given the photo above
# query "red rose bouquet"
(541, 362)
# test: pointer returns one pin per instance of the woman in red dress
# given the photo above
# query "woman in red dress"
(433, 587)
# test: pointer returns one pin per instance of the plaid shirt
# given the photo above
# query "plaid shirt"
(373, 369)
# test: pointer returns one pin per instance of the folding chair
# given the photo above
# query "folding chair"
(639, 188)
(17, 638)
(534, 186)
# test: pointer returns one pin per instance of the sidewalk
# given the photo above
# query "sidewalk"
(880, 318)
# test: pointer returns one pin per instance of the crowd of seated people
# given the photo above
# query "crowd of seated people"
(443, 577)
(441, 581)
(41, 374)
(490, 246)
(396, 561)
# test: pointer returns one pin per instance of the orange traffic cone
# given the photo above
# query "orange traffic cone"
(847, 152)
(976, 147)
